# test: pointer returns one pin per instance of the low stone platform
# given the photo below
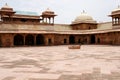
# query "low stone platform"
(74, 46)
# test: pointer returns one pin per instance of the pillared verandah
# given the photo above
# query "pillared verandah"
(20, 28)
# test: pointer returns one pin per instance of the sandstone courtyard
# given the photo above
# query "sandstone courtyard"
(91, 62)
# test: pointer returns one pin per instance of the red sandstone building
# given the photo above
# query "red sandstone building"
(29, 29)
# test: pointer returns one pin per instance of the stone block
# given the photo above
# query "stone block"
(74, 46)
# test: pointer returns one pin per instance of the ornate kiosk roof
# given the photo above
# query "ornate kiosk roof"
(83, 18)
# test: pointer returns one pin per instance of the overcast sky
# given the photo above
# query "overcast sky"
(67, 10)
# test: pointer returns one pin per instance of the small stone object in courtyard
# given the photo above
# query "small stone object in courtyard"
(74, 46)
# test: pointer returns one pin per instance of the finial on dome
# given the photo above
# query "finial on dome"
(83, 11)
(6, 4)
(118, 6)
(48, 8)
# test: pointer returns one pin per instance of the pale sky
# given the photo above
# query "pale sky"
(67, 10)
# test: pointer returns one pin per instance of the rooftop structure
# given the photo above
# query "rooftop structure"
(83, 18)
(27, 13)
(115, 14)
(20, 28)
(6, 10)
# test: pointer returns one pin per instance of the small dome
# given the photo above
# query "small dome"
(6, 7)
(84, 18)
(48, 12)
(117, 9)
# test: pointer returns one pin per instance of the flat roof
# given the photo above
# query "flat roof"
(27, 13)
(75, 32)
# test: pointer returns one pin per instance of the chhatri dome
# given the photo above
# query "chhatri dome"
(48, 11)
(83, 18)
(6, 7)
(117, 9)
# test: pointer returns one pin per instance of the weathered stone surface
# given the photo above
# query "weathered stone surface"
(91, 62)
(74, 47)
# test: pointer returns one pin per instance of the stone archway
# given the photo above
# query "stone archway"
(39, 39)
(29, 40)
(18, 40)
(71, 39)
(92, 39)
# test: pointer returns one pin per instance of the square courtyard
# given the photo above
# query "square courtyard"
(91, 62)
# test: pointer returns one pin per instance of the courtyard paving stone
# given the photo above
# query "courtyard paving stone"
(93, 62)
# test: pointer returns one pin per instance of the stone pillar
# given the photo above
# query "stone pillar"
(112, 21)
(88, 39)
(43, 19)
(119, 21)
(12, 40)
(115, 20)
(46, 40)
(0, 18)
(49, 20)
(53, 20)
(46, 20)
(67, 37)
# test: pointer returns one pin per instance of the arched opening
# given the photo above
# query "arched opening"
(18, 40)
(39, 39)
(71, 39)
(92, 39)
(29, 40)
(98, 40)
(65, 41)
(49, 41)
(79, 40)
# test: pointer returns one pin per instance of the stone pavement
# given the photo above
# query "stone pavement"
(91, 62)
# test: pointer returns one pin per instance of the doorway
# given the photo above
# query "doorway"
(29, 40)
(92, 39)
(18, 40)
(71, 39)
(39, 39)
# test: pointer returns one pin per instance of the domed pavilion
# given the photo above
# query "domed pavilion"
(84, 22)
(48, 16)
(115, 14)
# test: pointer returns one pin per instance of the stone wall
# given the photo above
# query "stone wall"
(27, 27)
(7, 40)
(104, 25)
(62, 27)
(49, 39)
(111, 38)
(62, 39)
(84, 26)
(116, 37)
(33, 27)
